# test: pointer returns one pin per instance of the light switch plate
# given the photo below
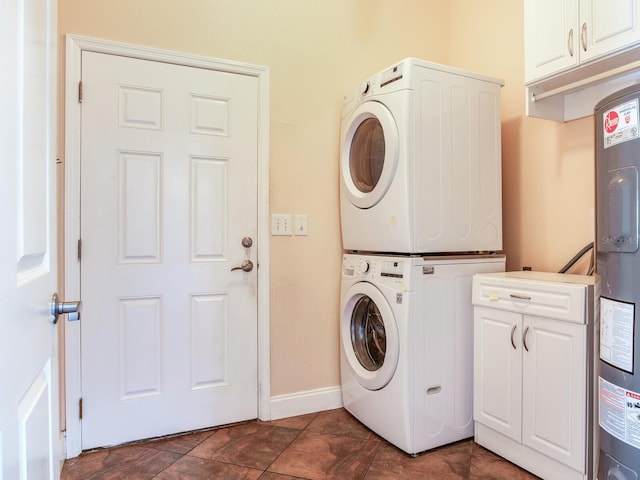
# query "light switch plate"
(300, 224)
(280, 224)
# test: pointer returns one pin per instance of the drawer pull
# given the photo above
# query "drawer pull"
(524, 339)
(513, 331)
(520, 297)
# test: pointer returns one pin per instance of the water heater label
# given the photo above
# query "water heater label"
(619, 412)
(620, 124)
(616, 333)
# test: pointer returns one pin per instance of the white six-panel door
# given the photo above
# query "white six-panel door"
(168, 192)
(30, 446)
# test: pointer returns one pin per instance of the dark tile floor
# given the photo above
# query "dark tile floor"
(325, 445)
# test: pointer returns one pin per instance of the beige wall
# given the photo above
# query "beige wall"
(316, 51)
(547, 167)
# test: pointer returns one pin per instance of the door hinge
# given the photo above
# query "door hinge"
(80, 91)
(79, 249)
(80, 408)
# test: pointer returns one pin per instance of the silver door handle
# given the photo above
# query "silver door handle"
(570, 42)
(520, 297)
(57, 308)
(245, 266)
(524, 339)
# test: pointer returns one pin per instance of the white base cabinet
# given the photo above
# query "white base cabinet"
(533, 344)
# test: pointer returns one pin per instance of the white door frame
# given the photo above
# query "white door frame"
(74, 48)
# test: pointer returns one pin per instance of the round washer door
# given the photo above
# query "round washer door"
(369, 335)
(369, 154)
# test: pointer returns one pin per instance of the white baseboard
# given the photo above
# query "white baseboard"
(301, 403)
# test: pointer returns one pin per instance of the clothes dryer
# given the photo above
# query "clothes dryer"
(420, 161)
(406, 345)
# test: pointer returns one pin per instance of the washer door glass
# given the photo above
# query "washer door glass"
(369, 335)
(369, 154)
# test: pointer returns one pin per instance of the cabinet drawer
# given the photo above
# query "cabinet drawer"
(542, 298)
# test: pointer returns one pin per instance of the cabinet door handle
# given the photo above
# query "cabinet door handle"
(513, 343)
(520, 297)
(570, 42)
(583, 36)
(524, 339)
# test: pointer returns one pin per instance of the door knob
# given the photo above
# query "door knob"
(246, 266)
(57, 308)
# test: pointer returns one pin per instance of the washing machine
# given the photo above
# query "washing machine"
(406, 335)
(420, 161)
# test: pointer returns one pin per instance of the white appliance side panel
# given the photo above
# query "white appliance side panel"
(488, 213)
(464, 178)
(458, 193)
(431, 168)
(443, 359)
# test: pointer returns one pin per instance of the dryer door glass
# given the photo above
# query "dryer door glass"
(366, 157)
(369, 154)
(368, 336)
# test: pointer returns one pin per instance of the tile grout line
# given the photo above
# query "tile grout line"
(147, 443)
(373, 457)
(285, 448)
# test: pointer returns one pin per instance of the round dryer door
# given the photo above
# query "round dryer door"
(369, 336)
(369, 153)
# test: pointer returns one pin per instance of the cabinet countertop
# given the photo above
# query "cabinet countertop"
(533, 275)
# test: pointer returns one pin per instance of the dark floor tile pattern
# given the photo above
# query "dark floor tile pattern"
(329, 445)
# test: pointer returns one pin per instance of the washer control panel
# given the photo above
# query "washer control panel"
(392, 269)
(365, 266)
(374, 267)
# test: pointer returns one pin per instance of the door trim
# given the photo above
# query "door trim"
(75, 45)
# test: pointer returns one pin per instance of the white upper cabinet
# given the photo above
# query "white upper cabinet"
(550, 37)
(607, 26)
(577, 52)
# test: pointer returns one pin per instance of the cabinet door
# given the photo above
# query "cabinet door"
(551, 37)
(607, 26)
(497, 370)
(554, 386)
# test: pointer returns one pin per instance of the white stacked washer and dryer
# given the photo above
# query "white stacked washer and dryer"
(421, 213)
